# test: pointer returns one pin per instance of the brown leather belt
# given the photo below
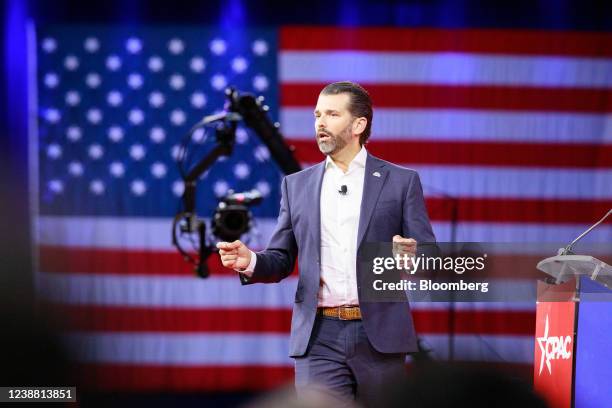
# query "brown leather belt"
(341, 312)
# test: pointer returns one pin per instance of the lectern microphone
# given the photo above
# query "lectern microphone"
(568, 249)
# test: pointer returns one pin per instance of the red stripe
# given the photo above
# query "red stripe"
(465, 97)
(521, 267)
(527, 42)
(508, 210)
(573, 155)
(256, 320)
(167, 320)
(67, 260)
(158, 378)
(60, 259)
(493, 322)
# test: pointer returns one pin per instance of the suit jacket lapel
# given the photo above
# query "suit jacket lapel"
(373, 181)
(314, 220)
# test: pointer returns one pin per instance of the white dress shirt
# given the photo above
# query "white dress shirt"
(339, 223)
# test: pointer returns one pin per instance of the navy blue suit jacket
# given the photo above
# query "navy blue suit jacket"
(392, 203)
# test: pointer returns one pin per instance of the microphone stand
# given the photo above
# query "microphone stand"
(452, 314)
(568, 249)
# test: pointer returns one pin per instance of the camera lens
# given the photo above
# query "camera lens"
(231, 222)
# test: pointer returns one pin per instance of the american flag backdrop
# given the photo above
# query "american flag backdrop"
(513, 128)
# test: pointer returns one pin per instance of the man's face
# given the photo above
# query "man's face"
(333, 123)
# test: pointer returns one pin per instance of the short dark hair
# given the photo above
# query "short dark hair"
(360, 104)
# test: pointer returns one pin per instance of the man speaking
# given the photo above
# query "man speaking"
(327, 213)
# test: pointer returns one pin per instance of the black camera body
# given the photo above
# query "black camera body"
(232, 217)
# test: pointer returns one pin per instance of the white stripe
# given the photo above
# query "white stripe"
(181, 349)
(268, 349)
(106, 232)
(126, 233)
(512, 182)
(468, 125)
(110, 232)
(491, 348)
(163, 291)
(215, 292)
(444, 68)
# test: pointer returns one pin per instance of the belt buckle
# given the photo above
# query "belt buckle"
(340, 309)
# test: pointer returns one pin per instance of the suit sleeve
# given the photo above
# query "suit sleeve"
(277, 261)
(415, 223)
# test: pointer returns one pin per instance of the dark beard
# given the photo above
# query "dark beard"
(336, 142)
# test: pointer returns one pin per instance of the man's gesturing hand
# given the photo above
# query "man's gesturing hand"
(403, 245)
(234, 255)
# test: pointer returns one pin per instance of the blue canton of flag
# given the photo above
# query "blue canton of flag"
(114, 105)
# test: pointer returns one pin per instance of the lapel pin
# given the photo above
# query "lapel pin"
(376, 174)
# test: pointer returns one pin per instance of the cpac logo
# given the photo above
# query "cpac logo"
(553, 348)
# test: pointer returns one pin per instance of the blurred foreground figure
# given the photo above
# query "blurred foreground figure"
(311, 397)
(441, 386)
(30, 351)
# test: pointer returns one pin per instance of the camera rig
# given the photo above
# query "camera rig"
(232, 217)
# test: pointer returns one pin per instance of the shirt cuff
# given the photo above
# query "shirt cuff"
(248, 271)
